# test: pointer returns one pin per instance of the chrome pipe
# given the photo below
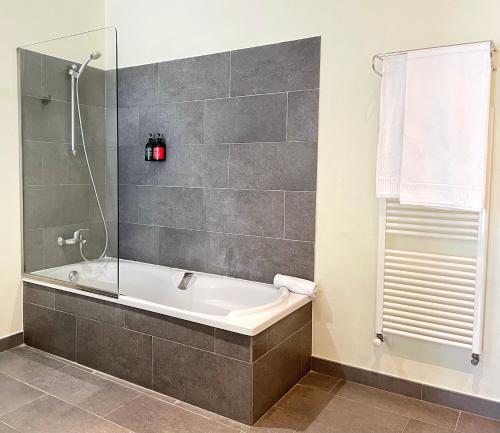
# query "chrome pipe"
(72, 72)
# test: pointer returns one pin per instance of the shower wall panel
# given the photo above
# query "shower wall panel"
(236, 195)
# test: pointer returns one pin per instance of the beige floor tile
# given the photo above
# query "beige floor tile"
(399, 404)
(51, 415)
(469, 423)
(25, 364)
(347, 416)
(320, 381)
(323, 412)
(85, 390)
(277, 421)
(149, 415)
(14, 394)
(415, 426)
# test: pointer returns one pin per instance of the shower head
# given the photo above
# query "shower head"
(94, 55)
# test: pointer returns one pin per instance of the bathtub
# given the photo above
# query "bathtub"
(232, 304)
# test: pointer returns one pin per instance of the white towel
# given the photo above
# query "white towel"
(296, 285)
(390, 142)
(446, 116)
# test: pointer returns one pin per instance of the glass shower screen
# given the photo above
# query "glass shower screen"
(69, 160)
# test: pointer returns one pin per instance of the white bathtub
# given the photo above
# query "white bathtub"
(232, 304)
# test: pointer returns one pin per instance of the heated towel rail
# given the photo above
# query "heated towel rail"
(430, 295)
(433, 290)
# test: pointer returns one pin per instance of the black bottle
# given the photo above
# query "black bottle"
(159, 149)
(148, 150)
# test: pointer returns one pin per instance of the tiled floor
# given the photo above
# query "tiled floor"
(43, 394)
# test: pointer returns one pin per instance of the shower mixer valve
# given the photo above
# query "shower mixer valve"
(75, 240)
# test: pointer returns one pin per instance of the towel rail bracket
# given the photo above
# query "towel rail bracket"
(380, 56)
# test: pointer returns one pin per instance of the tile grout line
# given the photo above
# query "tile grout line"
(229, 165)
(203, 350)
(64, 101)
(41, 75)
(403, 396)
(81, 408)
(389, 411)
(284, 214)
(196, 187)
(458, 419)
(81, 317)
(286, 118)
(157, 82)
(192, 143)
(281, 342)
(335, 385)
(204, 122)
(214, 419)
(50, 372)
(230, 72)
(25, 404)
(225, 233)
(211, 99)
(134, 387)
(122, 405)
(203, 204)
(76, 334)
(406, 425)
(8, 425)
(383, 410)
(157, 244)
(228, 257)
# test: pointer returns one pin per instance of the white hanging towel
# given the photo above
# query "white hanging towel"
(390, 142)
(445, 142)
(296, 285)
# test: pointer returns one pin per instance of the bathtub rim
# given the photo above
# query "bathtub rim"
(246, 324)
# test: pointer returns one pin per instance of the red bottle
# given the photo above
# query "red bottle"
(159, 149)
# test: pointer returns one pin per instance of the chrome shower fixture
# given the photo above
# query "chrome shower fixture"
(93, 56)
(75, 73)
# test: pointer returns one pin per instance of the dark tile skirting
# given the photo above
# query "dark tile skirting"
(231, 374)
(456, 400)
(11, 341)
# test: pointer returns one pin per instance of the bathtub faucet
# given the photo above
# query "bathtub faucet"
(188, 276)
(76, 239)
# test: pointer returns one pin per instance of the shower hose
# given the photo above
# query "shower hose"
(103, 254)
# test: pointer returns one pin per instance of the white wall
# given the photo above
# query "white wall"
(22, 23)
(351, 30)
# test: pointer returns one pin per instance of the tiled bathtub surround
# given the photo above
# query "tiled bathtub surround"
(234, 375)
(236, 195)
(58, 197)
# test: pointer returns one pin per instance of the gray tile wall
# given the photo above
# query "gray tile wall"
(231, 374)
(58, 196)
(236, 195)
